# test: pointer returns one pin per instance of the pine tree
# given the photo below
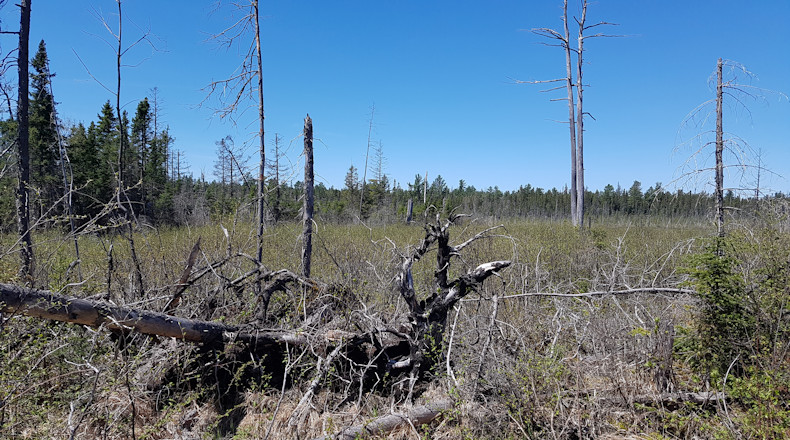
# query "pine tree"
(43, 134)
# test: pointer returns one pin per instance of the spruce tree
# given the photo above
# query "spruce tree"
(141, 138)
(105, 135)
(43, 134)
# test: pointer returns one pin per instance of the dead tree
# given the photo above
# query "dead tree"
(726, 148)
(575, 108)
(428, 317)
(49, 305)
(246, 83)
(23, 190)
(367, 153)
(719, 151)
(307, 214)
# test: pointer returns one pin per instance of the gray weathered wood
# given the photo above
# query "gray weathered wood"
(307, 215)
(418, 415)
(719, 151)
(49, 305)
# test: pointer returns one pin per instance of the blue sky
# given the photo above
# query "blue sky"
(441, 75)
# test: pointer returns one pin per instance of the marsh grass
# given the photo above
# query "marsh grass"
(557, 367)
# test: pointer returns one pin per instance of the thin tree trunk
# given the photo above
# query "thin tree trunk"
(68, 181)
(719, 152)
(121, 128)
(425, 190)
(571, 117)
(261, 181)
(23, 142)
(308, 197)
(365, 172)
(276, 201)
(580, 123)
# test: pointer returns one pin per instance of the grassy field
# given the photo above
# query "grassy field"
(542, 366)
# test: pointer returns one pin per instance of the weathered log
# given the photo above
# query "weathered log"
(419, 415)
(49, 305)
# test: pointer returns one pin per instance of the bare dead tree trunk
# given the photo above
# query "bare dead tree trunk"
(409, 210)
(68, 181)
(575, 115)
(23, 189)
(571, 117)
(367, 153)
(425, 189)
(261, 168)
(580, 122)
(121, 128)
(276, 201)
(307, 217)
(719, 151)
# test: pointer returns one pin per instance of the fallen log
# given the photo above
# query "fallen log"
(49, 305)
(418, 415)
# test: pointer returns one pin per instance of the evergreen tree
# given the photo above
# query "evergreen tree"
(141, 138)
(90, 176)
(101, 154)
(43, 134)
(155, 175)
(8, 134)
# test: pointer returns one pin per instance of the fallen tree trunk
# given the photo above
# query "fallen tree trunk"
(419, 415)
(49, 305)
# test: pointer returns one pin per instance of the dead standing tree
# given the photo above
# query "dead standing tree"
(724, 144)
(245, 83)
(23, 190)
(576, 111)
(307, 214)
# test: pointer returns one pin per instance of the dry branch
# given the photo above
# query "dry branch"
(669, 400)
(419, 415)
(666, 290)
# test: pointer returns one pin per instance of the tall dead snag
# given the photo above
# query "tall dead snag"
(719, 151)
(243, 86)
(739, 155)
(575, 108)
(428, 317)
(262, 148)
(367, 153)
(23, 190)
(307, 215)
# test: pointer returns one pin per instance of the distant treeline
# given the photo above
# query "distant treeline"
(88, 167)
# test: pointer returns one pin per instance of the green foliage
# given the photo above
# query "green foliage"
(724, 326)
(765, 394)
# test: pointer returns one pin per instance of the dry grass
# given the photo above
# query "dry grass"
(551, 363)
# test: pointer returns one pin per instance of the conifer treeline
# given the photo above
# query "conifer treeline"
(166, 196)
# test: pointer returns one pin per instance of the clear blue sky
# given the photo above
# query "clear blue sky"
(441, 76)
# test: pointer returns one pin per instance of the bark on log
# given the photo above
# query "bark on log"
(417, 416)
(48, 305)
